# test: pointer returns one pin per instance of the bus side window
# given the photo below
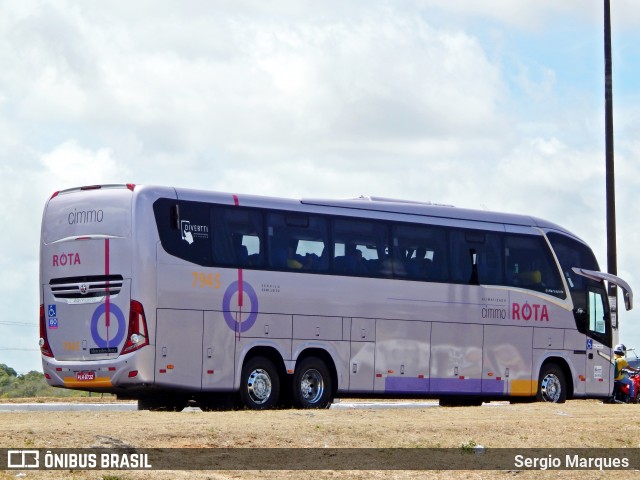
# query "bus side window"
(298, 242)
(361, 247)
(529, 264)
(237, 236)
(476, 257)
(191, 240)
(597, 313)
(571, 253)
(420, 252)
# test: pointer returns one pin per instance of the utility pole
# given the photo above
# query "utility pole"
(612, 262)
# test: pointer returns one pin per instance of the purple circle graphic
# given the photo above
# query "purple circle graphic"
(232, 289)
(115, 341)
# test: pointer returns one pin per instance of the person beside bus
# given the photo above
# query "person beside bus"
(621, 364)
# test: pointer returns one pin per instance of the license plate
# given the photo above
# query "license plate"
(85, 376)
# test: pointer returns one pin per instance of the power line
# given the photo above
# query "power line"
(20, 323)
(20, 349)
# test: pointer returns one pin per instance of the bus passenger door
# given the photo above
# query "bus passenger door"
(179, 348)
(598, 368)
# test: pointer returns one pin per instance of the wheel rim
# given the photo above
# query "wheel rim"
(259, 386)
(312, 386)
(551, 388)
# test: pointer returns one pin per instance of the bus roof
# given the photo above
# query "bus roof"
(377, 204)
(435, 210)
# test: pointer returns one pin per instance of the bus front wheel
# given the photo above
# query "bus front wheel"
(552, 386)
(260, 384)
(312, 387)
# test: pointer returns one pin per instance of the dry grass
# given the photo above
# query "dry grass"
(574, 424)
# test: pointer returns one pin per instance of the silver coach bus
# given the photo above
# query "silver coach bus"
(167, 295)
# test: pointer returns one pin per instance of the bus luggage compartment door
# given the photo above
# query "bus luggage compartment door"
(507, 360)
(179, 348)
(219, 348)
(402, 356)
(456, 358)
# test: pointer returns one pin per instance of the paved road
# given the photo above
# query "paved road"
(67, 407)
(123, 407)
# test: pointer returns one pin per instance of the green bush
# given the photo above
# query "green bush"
(29, 385)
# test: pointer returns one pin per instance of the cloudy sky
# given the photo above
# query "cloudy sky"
(494, 104)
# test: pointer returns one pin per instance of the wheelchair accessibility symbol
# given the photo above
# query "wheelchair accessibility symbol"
(98, 327)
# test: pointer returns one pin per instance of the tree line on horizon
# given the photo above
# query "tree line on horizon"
(32, 384)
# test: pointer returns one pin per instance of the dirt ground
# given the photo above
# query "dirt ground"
(573, 424)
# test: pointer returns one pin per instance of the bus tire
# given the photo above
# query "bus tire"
(259, 384)
(552, 386)
(312, 386)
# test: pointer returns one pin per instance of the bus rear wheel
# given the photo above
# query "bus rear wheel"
(312, 386)
(259, 384)
(552, 386)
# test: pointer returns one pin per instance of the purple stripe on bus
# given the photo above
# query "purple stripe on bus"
(406, 385)
(443, 385)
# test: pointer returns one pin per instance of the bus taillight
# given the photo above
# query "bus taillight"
(137, 335)
(45, 349)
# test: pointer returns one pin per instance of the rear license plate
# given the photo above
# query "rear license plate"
(85, 376)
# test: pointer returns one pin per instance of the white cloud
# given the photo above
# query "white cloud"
(70, 165)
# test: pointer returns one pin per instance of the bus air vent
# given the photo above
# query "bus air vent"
(87, 287)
